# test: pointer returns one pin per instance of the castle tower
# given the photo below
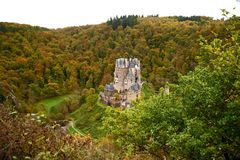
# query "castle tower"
(127, 73)
(121, 71)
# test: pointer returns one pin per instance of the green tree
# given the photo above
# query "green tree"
(199, 118)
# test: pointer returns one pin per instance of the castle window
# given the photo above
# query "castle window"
(136, 79)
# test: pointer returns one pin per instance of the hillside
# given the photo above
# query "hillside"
(58, 74)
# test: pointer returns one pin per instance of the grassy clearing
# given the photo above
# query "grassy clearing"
(87, 119)
(53, 102)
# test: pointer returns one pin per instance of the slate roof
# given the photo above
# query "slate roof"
(109, 87)
(121, 62)
(133, 62)
(135, 87)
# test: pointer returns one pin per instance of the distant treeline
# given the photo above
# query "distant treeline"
(123, 21)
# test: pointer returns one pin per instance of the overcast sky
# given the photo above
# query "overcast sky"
(63, 13)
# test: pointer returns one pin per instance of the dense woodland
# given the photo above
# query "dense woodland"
(197, 56)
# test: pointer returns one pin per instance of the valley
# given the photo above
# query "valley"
(51, 81)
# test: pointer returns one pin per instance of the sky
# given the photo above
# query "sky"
(65, 13)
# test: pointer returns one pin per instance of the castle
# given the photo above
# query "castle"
(126, 86)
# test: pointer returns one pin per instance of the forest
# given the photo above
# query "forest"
(197, 57)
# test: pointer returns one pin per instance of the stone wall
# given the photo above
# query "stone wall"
(119, 76)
